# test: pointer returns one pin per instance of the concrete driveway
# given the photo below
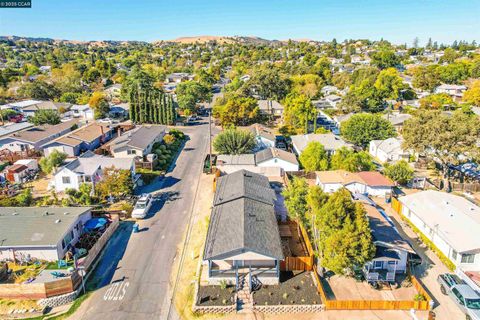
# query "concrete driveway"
(428, 271)
(134, 276)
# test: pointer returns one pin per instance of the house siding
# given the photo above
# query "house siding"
(279, 163)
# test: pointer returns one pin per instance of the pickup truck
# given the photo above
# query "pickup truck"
(461, 293)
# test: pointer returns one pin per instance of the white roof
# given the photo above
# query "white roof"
(23, 104)
(452, 87)
(389, 146)
(80, 107)
(456, 219)
(328, 140)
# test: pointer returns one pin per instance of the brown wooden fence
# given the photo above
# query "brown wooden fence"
(374, 304)
(302, 263)
(35, 291)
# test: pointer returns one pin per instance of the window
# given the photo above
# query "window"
(66, 180)
(377, 264)
(131, 151)
(392, 262)
(468, 258)
(458, 295)
(454, 255)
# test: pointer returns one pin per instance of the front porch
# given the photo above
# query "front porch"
(231, 271)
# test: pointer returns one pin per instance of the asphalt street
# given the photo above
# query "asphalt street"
(134, 272)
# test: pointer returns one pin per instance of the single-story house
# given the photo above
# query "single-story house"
(80, 140)
(31, 164)
(243, 237)
(18, 106)
(88, 169)
(264, 137)
(119, 110)
(179, 77)
(273, 157)
(388, 150)
(82, 111)
(35, 137)
(453, 90)
(15, 173)
(450, 222)
(370, 183)
(333, 100)
(30, 110)
(330, 142)
(391, 255)
(10, 128)
(137, 142)
(229, 163)
(43, 233)
(342, 118)
(270, 107)
(397, 119)
(113, 91)
(327, 90)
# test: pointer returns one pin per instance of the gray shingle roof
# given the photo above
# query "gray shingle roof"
(31, 226)
(138, 138)
(243, 218)
(271, 153)
(243, 184)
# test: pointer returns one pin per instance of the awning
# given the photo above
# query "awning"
(95, 223)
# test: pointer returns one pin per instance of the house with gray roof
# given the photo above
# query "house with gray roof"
(88, 169)
(243, 236)
(43, 233)
(34, 138)
(270, 107)
(330, 142)
(388, 150)
(273, 157)
(137, 142)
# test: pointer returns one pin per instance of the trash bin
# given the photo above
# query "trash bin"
(135, 228)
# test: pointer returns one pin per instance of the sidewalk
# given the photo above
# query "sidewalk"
(428, 271)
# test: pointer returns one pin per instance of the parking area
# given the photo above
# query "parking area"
(429, 270)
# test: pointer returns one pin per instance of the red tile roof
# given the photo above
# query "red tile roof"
(375, 179)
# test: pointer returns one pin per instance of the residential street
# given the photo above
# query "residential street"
(139, 286)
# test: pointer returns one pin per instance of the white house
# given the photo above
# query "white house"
(453, 90)
(43, 233)
(264, 137)
(270, 107)
(137, 142)
(451, 222)
(88, 169)
(83, 112)
(273, 157)
(330, 142)
(370, 183)
(327, 90)
(391, 254)
(389, 150)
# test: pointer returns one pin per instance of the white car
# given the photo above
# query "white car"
(142, 206)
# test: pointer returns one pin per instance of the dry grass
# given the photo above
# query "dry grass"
(183, 299)
(7, 305)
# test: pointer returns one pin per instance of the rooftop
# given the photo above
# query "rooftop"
(36, 226)
(138, 138)
(328, 140)
(42, 132)
(90, 163)
(370, 178)
(272, 153)
(455, 218)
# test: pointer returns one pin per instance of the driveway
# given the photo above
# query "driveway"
(133, 275)
(428, 271)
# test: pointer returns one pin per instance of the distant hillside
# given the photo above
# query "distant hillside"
(220, 39)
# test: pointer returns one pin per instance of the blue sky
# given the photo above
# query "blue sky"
(399, 21)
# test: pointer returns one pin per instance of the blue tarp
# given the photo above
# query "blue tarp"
(95, 223)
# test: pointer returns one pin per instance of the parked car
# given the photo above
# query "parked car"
(16, 118)
(461, 293)
(142, 206)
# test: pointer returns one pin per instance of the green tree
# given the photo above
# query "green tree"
(384, 59)
(345, 237)
(82, 196)
(234, 141)
(299, 110)
(446, 138)
(39, 90)
(362, 128)
(400, 172)
(349, 160)
(436, 101)
(426, 77)
(269, 83)
(115, 182)
(314, 157)
(472, 95)
(237, 111)
(389, 83)
(45, 116)
(99, 103)
(190, 93)
(295, 195)
(52, 161)
(308, 85)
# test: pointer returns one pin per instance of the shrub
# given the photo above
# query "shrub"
(419, 297)
(223, 284)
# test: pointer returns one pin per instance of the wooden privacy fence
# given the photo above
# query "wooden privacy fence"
(375, 304)
(302, 263)
(35, 291)
(97, 248)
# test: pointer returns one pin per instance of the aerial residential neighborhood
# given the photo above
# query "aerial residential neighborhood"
(317, 161)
